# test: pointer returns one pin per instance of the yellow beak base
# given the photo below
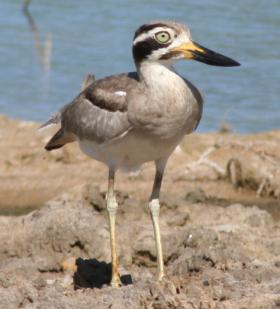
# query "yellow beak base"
(193, 50)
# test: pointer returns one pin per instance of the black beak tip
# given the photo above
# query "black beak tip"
(221, 60)
(234, 63)
(211, 57)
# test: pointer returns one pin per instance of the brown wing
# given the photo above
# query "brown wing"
(99, 113)
(102, 93)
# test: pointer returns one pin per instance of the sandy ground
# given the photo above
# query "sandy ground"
(219, 220)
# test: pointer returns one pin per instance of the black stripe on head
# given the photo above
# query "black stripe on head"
(147, 27)
(142, 49)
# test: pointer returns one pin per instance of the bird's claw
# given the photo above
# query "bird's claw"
(116, 282)
(160, 276)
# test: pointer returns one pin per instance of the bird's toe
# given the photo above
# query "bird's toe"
(116, 282)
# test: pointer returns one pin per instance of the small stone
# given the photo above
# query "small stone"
(50, 281)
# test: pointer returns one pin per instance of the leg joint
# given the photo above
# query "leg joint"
(154, 207)
(112, 204)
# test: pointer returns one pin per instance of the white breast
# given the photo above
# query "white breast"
(129, 151)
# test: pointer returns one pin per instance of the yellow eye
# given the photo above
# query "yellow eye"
(162, 37)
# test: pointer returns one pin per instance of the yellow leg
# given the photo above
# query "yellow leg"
(154, 207)
(112, 206)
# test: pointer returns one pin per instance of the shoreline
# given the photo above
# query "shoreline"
(31, 176)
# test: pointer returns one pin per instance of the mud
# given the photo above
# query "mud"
(219, 224)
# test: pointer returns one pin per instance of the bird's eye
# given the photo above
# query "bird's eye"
(162, 37)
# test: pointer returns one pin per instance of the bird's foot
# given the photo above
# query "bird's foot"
(116, 281)
(160, 276)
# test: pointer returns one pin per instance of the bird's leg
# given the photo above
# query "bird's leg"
(112, 206)
(154, 207)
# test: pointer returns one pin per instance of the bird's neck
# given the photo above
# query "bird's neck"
(156, 73)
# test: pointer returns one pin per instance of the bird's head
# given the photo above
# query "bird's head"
(170, 41)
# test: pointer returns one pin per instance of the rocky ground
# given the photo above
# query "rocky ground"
(219, 220)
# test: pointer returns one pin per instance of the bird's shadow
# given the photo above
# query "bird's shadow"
(94, 274)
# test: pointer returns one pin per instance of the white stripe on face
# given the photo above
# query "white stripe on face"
(151, 33)
(182, 38)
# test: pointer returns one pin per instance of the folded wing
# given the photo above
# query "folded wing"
(98, 113)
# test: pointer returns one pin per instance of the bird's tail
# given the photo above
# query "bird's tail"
(62, 137)
(59, 139)
(55, 119)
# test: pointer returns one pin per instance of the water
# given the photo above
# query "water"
(95, 36)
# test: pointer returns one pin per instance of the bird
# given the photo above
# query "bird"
(131, 118)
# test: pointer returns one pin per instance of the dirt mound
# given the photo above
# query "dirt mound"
(215, 257)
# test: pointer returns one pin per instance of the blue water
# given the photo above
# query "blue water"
(95, 36)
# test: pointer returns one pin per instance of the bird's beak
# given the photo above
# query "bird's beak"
(197, 52)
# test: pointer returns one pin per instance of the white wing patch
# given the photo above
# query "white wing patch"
(120, 93)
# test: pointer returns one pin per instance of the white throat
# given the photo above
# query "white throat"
(157, 73)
